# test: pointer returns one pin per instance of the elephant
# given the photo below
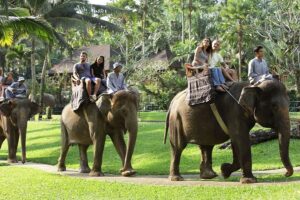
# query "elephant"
(123, 118)
(48, 102)
(267, 104)
(90, 125)
(13, 123)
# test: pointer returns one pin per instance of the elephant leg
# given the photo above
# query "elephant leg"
(206, 171)
(175, 161)
(12, 157)
(64, 149)
(99, 142)
(228, 168)
(132, 127)
(244, 155)
(84, 165)
(120, 145)
(49, 113)
(2, 138)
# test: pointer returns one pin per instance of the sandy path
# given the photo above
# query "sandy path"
(190, 180)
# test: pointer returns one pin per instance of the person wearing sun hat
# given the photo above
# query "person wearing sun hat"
(116, 80)
(17, 89)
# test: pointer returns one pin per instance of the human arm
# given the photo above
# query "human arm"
(76, 76)
(104, 76)
(196, 56)
(92, 71)
(110, 84)
(12, 87)
(251, 71)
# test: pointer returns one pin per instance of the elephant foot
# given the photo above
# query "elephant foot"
(176, 178)
(208, 174)
(96, 173)
(84, 170)
(12, 160)
(246, 180)
(129, 172)
(61, 168)
(226, 170)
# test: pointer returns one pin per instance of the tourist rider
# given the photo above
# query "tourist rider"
(82, 72)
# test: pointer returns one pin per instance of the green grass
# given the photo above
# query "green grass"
(161, 115)
(152, 116)
(23, 183)
(151, 155)
(295, 115)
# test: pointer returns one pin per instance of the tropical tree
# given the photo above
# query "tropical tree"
(236, 25)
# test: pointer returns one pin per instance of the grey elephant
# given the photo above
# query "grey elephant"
(121, 119)
(90, 125)
(266, 104)
(13, 124)
(48, 102)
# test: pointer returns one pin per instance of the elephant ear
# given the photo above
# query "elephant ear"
(249, 97)
(7, 107)
(34, 108)
(104, 104)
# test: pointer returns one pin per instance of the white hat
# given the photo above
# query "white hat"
(117, 65)
(21, 79)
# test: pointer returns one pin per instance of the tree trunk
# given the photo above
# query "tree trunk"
(2, 59)
(240, 39)
(297, 76)
(33, 75)
(182, 21)
(190, 18)
(143, 26)
(43, 82)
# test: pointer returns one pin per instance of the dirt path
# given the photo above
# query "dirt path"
(190, 180)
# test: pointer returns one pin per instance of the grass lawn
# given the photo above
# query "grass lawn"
(151, 157)
(161, 115)
(152, 116)
(23, 183)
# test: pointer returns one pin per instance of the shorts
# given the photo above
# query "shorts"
(93, 79)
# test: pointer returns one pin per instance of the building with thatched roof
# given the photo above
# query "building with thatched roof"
(66, 65)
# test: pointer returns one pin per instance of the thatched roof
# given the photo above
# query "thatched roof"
(66, 65)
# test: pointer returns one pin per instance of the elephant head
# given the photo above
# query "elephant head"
(19, 112)
(268, 103)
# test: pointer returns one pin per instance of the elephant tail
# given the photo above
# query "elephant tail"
(167, 126)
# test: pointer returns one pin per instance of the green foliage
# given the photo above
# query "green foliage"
(157, 80)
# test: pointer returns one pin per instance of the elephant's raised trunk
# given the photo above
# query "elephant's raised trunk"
(284, 140)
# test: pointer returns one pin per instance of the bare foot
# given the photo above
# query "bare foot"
(220, 89)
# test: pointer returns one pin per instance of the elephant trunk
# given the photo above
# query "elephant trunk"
(284, 140)
(22, 127)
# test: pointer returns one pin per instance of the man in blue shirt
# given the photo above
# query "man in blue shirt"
(82, 71)
(258, 70)
(115, 79)
(16, 89)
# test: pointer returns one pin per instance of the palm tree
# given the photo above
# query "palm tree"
(65, 14)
